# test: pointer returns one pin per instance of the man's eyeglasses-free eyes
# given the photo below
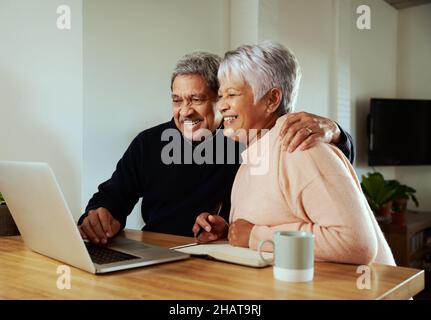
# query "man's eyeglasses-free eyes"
(196, 101)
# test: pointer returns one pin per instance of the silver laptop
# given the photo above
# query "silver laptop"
(46, 224)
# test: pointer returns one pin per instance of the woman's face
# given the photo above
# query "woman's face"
(240, 114)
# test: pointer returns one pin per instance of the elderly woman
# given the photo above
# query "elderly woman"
(315, 190)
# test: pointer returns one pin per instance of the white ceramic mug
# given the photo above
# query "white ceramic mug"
(293, 255)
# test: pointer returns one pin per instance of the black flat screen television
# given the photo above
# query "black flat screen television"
(399, 132)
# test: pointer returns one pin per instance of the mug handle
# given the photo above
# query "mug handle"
(259, 249)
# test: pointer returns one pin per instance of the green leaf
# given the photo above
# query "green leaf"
(415, 200)
(379, 191)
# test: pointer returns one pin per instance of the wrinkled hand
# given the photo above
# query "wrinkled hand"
(239, 233)
(99, 226)
(304, 130)
(214, 227)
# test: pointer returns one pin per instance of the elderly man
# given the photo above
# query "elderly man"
(174, 194)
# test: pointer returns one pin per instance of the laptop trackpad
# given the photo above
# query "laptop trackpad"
(140, 249)
(122, 243)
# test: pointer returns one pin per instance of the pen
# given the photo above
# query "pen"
(218, 212)
(184, 246)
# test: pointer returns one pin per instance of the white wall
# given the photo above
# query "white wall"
(373, 71)
(130, 50)
(244, 22)
(268, 19)
(306, 28)
(414, 52)
(41, 90)
(414, 81)
(340, 83)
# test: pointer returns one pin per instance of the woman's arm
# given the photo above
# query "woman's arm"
(331, 208)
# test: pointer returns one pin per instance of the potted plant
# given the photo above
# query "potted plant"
(387, 198)
(401, 197)
(379, 193)
(7, 225)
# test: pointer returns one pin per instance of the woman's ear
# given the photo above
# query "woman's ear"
(273, 100)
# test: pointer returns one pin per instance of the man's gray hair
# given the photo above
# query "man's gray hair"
(265, 66)
(202, 63)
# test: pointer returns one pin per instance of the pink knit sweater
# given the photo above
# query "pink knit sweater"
(316, 191)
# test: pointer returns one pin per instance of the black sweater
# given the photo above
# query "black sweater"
(173, 195)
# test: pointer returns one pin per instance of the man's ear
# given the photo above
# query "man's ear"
(273, 100)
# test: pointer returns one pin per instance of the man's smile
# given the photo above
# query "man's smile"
(192, 124)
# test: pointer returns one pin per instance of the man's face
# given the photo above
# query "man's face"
(193, 107)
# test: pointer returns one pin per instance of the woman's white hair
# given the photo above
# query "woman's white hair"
(265, 66)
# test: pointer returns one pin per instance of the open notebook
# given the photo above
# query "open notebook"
(223, 251)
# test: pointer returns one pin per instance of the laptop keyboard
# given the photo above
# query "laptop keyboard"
(102, 255)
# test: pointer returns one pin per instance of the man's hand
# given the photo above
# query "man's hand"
(239, 233)
(304, 130)
(213, 227)
(99, 226)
